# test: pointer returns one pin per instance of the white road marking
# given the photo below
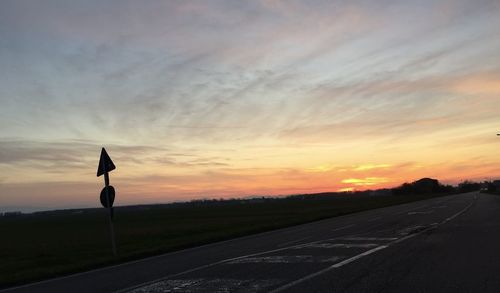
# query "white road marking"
(349, 260)
(459, 213)
(408, 236)
(208, 285)
(282, 259)
(335, 266)
(411, 229)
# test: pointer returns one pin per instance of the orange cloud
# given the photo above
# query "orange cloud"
(320, 169)
(484, 84)
(367, 167)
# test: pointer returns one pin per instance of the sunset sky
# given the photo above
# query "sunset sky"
(203, 99)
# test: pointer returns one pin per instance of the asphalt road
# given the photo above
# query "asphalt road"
(446, 244)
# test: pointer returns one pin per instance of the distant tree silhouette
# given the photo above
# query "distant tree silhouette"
(468, 186)
(491, 187)
(423, 186)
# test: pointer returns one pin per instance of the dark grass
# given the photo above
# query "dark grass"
(44, 245)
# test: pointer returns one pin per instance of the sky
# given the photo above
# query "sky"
(221, 99)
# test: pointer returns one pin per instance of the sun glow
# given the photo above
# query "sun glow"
(368, 181)
(347, 189)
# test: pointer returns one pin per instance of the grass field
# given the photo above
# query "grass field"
(44, 245)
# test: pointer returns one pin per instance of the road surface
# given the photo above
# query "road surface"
(445, 244)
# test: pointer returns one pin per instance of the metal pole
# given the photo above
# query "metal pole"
(111, 229)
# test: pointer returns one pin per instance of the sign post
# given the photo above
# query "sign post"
(107, 197)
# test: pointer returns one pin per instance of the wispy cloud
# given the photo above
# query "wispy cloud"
(304, 93)
(371, 167)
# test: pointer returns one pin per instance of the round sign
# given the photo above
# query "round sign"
(111, 193)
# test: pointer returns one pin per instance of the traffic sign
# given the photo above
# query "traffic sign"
(111, 194)
(107, 196)
(105, 163)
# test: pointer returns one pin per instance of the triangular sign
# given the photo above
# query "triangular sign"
(105, 163)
